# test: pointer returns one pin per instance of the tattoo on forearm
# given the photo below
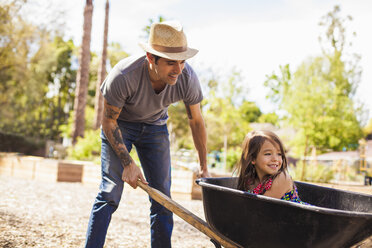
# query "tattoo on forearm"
(124, 156)
(188, 111)
(118, 143)
(110, 113)
(117, 136)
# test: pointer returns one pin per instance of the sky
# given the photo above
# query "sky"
(254, 37)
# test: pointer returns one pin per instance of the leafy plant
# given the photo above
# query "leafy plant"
(87, 148)
(319, 173)
(232, 157)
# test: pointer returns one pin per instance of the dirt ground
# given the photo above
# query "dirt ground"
(34, 214)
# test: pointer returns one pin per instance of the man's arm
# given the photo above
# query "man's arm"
(112, 131)
(199, 135)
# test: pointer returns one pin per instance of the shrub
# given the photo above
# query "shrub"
(320, 173)
(87, 148)
(18, 143)
(232, 157)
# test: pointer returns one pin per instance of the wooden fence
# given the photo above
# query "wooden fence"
(52, 170)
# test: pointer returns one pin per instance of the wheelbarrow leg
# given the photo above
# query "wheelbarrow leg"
(216, 244)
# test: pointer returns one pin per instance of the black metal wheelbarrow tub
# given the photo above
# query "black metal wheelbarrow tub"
(336, 218)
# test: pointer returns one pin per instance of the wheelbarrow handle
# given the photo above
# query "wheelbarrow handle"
(186, 215)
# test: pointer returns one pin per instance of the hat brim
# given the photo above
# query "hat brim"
(189, 53)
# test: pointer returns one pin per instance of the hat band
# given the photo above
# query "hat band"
(165, 49)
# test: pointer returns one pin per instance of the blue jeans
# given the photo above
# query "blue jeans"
(152, 145)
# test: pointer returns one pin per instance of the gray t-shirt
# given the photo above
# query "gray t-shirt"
(128, 87)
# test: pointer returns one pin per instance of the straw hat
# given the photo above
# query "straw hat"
(168, 40)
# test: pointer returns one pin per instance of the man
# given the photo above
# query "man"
(137, 94)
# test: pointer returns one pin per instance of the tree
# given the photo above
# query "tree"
(54, 67)
(116, 53)
(250, 111)
(318, 96)
(82, 79)
(179, 126)
(269, 118)
(98, 103)
(36, 79)
(226, 126)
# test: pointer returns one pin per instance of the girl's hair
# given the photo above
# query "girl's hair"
(251, 147)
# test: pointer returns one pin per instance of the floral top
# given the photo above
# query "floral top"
(292, 195)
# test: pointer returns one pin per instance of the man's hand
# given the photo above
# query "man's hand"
(204, 174)
(131, 174)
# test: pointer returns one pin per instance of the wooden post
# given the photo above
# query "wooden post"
(362, 155)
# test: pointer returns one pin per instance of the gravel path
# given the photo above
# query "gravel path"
(35, 214)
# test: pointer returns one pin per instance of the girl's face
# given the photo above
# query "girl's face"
(269, 160)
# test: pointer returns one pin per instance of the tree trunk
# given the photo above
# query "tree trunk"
(98, 101)
(82, 78)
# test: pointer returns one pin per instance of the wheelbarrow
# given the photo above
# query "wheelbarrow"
(335, 218)
(186, 215)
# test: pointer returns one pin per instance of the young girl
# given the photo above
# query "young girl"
(263, 167)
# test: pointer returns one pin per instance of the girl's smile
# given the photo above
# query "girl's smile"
(269, 160)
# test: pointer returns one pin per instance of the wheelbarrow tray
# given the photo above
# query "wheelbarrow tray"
(336, 218)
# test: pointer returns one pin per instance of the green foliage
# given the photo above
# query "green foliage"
(320, 173)
(278, 84)
(335, 37)
(223, 119)
(318, 98)
(250, 111)
(115, 53)
(87, 148)
(178, 124)
(322, 117)
(223, 115)
(232, 157)
(269, 118)
(36, 77)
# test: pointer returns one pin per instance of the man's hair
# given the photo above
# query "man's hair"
(156, 58)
